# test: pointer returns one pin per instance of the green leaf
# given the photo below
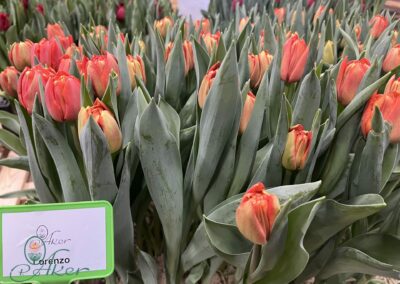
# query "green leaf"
(129, 119)
(148, 267)
(332, 217)
(19, 193)
(10, 121)
(21, 163)
(161, 162)
(12, 142)
(126, 93)
(72, 183)
(216, 123)
(98, 164)
(390, 161)
(159, 51)
(201, 61)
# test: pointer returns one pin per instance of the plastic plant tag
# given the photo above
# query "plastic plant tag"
(56, 243)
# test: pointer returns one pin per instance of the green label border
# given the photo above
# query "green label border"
(64, 206)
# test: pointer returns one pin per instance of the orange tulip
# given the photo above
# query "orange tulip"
(392, 59)
(63, 97)
(49, 52)
(54, 30)
(389, 105)
(295, 55)
(378, 25)
(280, 14)
(28, 84)
(318, 13)
(297, 148)
(349, 78)
(258, 64)
(136, 67)
(187, 53)
(9, 81)
(203, 25)
(393, 85)
(106, 121)
(257, 213)
(243, 23)
(99, 69)
(20, 54)
(81, 64)
(207, 83)
(247, 112)
(163, 26)
(211, 41)
(357, 30)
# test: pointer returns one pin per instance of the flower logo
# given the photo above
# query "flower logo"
(35, 250)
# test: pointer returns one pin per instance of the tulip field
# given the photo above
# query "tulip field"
(258, 144)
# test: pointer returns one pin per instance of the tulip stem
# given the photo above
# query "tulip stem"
(287, 177)
(289, 91)
(255, 258)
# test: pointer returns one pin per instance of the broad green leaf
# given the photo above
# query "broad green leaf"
(148, 267)
(12, 142)
(201, 61)
(9, 121)
(21, 163)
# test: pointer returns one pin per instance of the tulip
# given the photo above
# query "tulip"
(394, 38)
(25, 4)
(234, 3)
(74, 50)
(258, 64)
(318, 13)
(392, 59)
(4, 22)
(120, 12)
(257, 213)
(187, 54)
(328, 56)
(40, 8)
(163, 26)
(136, 67)
(349, 78)
(389, 105)
(378, 25)
(9, 81)
(310, 2)
(357, 30)
(280, 14)
(243, 23)
(63, 97)
(203, 25)
(295, 55)
(28, 84)
(297, 148)
(54, 31)
(20, 54)
(393, 85)
(261, 40)
(49, 51)
(106, 121)
(99, 69)
(81, 64)
(211, 41)
(247, 111)
(207, 83)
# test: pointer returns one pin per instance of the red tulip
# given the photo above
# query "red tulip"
(99, 69)
(49, 51)
(28, 84)
(389, 105)
(234, 3)
(349, 78)
(55, 30)
(247, 112)
(81, 64)
(318, 13)
(120, 12)
(297, 148)
(280, 14)
(378, 25)
(4, 22)
(257, 213)
(20, 54)
(40, 8)
(207, 83)
(9, 81)
(295, 55)
(106, 120)
(393, 85)
(63, 97)
(392, 59)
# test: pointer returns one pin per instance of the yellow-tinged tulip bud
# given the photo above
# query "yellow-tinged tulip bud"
(258, 64)
(257, 213)
(328, 56)
(297, 148)
(136, 67)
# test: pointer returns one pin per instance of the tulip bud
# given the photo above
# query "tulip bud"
(234, 3)
(378, 25)
(106, 121)
(49, 51)
(142, 46)
(120, 12)
(243, 23)
(258, 64)
(247, 111)
(20, 54)
(392, 59)
(81, 64)
(357, 30)
(54, 31)
(40, 8)
(297, 148)
(28, 84)
(207, 83)
(328, 56)
(136, 67)
(295, 55)
(389, 105)
(393, 85)
(63, 97)
(9, 81)
(4, 22)
(394, 38)
(163, 26)
(211, 41)
(187, 54)
(257, 213)
(203, 25)
(318, 13)
(99, 69)
(349, 79)
(280, 14)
